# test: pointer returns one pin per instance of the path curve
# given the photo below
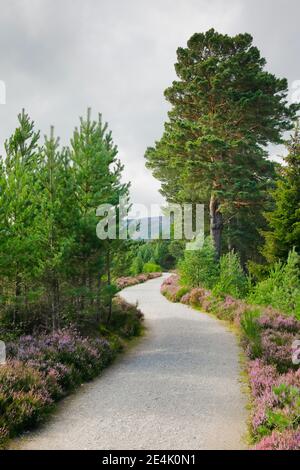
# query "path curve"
(178, 388)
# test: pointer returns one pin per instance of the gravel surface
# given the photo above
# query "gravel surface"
(177, 388)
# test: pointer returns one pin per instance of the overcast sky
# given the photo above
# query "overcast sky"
(60, 56)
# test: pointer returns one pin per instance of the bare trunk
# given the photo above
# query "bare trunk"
(18, 291)
(57, 302)
(108, 283)
(54, 301)
(98, 302)
(216, 224)
(53, 313)
(229, 242)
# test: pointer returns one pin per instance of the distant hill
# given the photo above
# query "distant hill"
(150, 227)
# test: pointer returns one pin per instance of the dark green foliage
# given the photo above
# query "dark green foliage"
(176, 249)
(225, 109)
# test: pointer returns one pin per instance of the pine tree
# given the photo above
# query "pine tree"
(57, 218)
(97, 176)
(51, 261)
(225, 110)
(19, 250)
(3, 228)
(284, 219)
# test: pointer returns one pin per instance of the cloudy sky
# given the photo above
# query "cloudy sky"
(60, 56)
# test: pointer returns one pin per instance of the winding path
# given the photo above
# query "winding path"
(178, 388)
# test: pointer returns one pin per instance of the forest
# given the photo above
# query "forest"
(60, 315)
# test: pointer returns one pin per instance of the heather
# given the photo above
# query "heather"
(25, 396)
(127, 281)
(289, 440)
(276, 406)
(267, 336)
(42, 368)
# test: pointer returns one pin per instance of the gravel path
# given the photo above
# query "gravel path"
(178, 388)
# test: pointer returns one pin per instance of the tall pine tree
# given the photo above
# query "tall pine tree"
(225, 110)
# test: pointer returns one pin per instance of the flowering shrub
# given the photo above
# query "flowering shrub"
(198, 296)
(24, 397)
(128, 281)
(276, 321)
(232, 309)
(63, 355)
(276, 402)
(277, 348)
(41, 369)
(170, 287)
(186, 298)
(288, 440)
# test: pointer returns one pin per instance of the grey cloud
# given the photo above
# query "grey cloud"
(59, 57)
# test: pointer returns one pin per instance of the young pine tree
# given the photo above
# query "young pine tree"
(97, 175)
(284, 219)
(57, 217)
(20, 250)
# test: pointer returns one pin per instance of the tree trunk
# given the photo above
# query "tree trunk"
(98, 301)
(108, 283)
(229, 242)
(57, 302)
(54, 294)
(53, 313)
(18, 291)
(216, 224)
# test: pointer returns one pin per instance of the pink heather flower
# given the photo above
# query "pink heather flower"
(287, 440)
(271, 319)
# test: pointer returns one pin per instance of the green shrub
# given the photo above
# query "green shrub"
(137, 265)
(126, 320)
(200, 267)
(252, 331)
(281, 289)
(151, 268)
(232, 280)
(146, 251)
